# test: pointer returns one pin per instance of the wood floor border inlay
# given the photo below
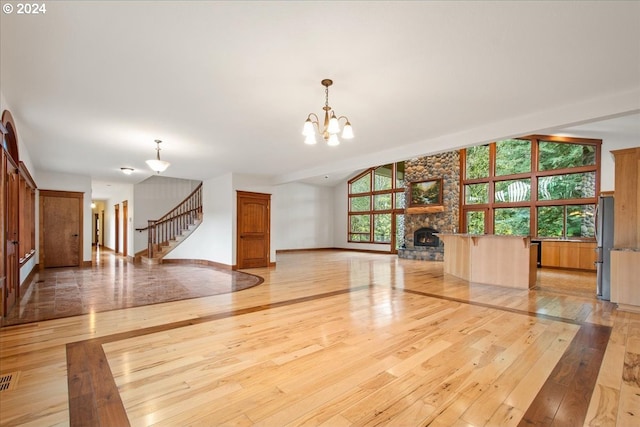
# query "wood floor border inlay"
(94, 398)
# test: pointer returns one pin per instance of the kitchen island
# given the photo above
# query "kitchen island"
(489, 259)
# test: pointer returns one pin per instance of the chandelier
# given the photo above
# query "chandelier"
(156, 164)
(331, 126)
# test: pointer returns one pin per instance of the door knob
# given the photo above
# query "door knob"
(75, 235)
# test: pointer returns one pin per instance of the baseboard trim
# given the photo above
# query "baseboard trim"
(198, 262)
(282, 251)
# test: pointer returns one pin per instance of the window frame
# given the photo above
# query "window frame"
(534, 175)
(372, 212)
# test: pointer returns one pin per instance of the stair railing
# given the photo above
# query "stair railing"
(173, 223)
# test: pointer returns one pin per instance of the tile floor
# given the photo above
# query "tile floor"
(112, 283)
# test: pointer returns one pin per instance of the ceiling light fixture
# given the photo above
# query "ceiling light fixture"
(127, 171)
(156, 164)
(331, 126)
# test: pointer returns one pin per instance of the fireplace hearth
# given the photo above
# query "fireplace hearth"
(426, 236)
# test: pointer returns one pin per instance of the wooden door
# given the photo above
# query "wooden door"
(12, 259)
(101, 236)
(116, 249)
(96, 229)
(61, 228)
(125, 229)
(253, 229)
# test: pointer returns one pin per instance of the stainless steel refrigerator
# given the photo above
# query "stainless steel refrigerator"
(604, 237)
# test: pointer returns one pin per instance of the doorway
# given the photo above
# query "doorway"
(253, 229)
(61, 230)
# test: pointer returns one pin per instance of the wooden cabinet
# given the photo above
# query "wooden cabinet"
(626, 213)
(625, 256)
(625, 270)
(578, 255)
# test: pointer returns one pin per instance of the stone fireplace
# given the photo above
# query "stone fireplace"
(421, 241)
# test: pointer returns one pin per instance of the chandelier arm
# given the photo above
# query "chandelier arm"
(315, 121)
(314, 115)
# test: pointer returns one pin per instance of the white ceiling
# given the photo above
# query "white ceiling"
(227, 85)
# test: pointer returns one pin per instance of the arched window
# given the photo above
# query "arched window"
(376, 198)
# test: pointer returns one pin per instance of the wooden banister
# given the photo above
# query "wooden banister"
(173, 223)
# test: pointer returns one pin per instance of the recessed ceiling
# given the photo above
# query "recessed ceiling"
(227, 85)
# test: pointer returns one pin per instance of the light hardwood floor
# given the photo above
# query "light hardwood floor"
(335, 338)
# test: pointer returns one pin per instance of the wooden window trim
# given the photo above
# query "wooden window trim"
(533, 175)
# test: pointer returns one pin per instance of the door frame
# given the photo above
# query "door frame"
(69, 194)
(240, 195)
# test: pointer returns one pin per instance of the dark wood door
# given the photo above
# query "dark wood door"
(116, 248)
(61, 231)
(125, 228)
(12, 262)
(96, 229)
(254, 229)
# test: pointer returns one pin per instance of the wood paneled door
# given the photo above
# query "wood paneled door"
(60, 228)
(254, 229)
(125, 228)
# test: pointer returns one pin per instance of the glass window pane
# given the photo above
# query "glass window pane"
(382, 178)
(558, 155)
(568, 186)
(359, 237)
(382, 202)
(382, 228)
(359, 223)
(550, 221)
(512, 221)
(361, 185)
(400, 175)
(475, 222)
(513, 190)
(477, 164)
(581, 220)
(476, 193)
(400, 200)
(360, 203)
(513, 156)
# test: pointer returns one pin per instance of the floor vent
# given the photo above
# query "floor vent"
(9, 381)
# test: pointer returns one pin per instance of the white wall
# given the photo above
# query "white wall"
(214, 239)
(302, 216)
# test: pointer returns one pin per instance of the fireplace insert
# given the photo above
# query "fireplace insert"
(425, 237)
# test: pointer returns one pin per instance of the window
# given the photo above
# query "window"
(376, 201)
(543, 186)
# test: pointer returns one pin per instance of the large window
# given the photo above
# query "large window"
(541, 186)
(376, 201)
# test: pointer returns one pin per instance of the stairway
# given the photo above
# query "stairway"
(171, 229)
